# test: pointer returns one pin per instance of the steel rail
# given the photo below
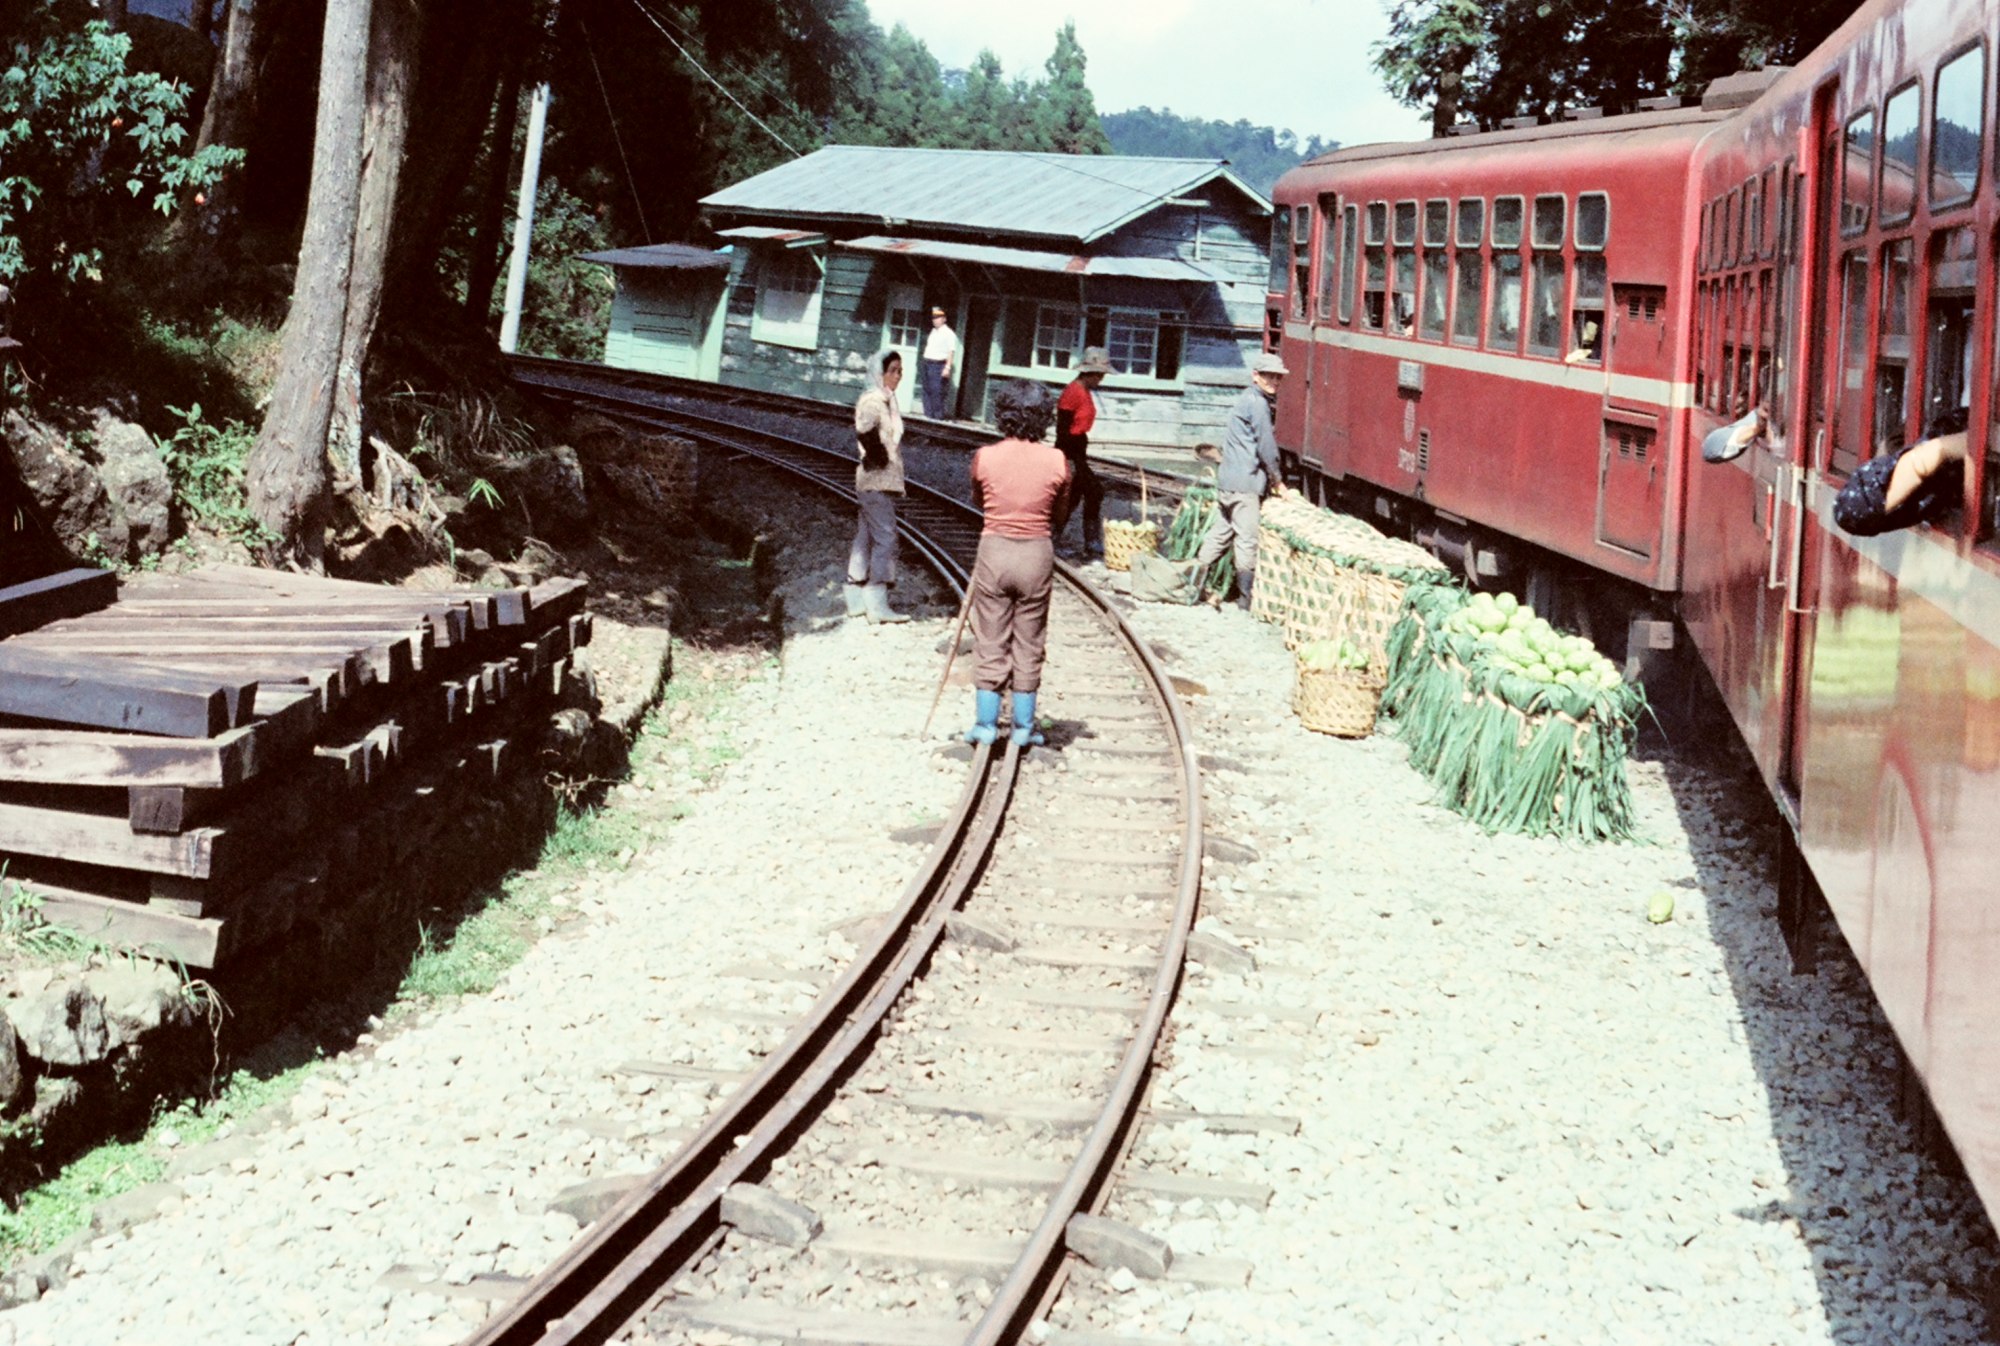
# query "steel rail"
(592, 1291)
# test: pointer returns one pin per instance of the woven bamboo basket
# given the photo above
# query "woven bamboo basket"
(1123, 541)
(673, 465)
(1271, 599)
(1338, 701)
(1330, 601)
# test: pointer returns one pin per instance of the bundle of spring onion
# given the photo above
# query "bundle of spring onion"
(1521, 728)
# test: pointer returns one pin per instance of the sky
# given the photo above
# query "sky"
(1296, 64)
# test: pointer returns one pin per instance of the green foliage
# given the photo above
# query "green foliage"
(205, 464)
(1491, 59)
(566, 308)
(1065, 115)
(79, 130)
(1260, 155)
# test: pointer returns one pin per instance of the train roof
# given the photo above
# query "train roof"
(1632, 128)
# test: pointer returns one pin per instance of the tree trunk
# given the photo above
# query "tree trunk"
(286, 474)
(197, 231)
(490, 208)
(1444, 114)
(391, 68)
(201, 18)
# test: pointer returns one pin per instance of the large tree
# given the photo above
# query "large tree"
(286, 473)
(1066, 115)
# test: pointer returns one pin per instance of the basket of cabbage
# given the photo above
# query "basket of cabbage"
(1337, 691)
(1520, 726)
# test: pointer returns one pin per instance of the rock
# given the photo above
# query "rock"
(1224, 851)
(63, 1026)
(54, 1097)
(134, 477)
(763, 1214)
(1113, 1244)
(1215, 949)
(587, 1202)
(63, 484)
(980, 934)
(11, 1078)
(138, 998)
(127, 1209)
(558, 499)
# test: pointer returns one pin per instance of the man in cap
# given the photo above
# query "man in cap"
(1248, 471)
(1076, 412)
(940, 351)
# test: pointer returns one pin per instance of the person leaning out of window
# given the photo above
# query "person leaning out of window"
(1919, 484)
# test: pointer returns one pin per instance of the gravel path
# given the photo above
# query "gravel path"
(1525, 1114)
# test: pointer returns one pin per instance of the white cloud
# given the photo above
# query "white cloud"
(1298, 64)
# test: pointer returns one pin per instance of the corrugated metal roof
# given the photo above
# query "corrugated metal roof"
(664, 256)
(760, 233)
(1025, 259)
(1081, 197)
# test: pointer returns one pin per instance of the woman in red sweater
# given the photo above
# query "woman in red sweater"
(1021, 485)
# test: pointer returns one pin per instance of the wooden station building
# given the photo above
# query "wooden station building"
(836, 255)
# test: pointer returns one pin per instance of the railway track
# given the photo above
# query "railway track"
(697, 404)
(1005, 1012)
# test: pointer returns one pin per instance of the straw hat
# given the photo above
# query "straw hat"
(1095, 361)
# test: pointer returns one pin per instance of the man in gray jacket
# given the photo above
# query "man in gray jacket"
(1248, 472)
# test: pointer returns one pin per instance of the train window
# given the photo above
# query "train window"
(1507, 221)
(1471, 292)
(1703, 298)
(1732, 223)
(1892, 358)
(1753, 221)
(1302, 228)
(1900, 122)
(1471, 222)
(1586, 311)
(1350, 223)
(1503, 323)
(1761, 380)
(1705, 247)
(1329, 253)
(1848, 430)
(1790, 191)
(1857, 172)
(1437, 270)
(1593, 221)
(1727, 321)
(1378, 222)
(1768, 231)
(1374, 284)
(1405, 300)
(1550, 212)
(1948, 324)
(1545, 305)
(1281, 247)
(1406, 224)
(1958, 110)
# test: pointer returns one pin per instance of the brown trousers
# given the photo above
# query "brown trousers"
(1010, 611)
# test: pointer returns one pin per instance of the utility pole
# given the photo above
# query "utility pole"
(524, 220)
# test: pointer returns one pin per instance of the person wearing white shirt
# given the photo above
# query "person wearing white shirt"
(940, 350)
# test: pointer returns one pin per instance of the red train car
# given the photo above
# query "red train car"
(1828, 251)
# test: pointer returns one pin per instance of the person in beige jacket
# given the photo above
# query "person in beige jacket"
(878, 480)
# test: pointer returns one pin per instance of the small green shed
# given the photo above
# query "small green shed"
(666, 316)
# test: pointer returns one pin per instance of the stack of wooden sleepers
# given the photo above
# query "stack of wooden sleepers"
(181, 756)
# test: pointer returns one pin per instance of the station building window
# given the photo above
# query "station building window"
(1302, 229)
(1329, 260)
(1349, 226)
(1058, 335)
(1900, 122)
(1437, 269)
(1469, 301)
(788, 300)
(1375, 270)
(1132, 340)
(1958, 111)
(1857, 172)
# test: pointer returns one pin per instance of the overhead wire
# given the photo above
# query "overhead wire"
(590, 48)
(720, 86)
(743, 72)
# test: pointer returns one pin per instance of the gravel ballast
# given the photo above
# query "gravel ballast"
(1525, 1113)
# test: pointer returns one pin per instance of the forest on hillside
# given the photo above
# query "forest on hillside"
(1259, 154)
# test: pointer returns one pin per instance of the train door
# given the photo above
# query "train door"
(1837, 329)
(1631, 482)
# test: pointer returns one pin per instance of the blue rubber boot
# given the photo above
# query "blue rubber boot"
(1024, 720)
(986, 717)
